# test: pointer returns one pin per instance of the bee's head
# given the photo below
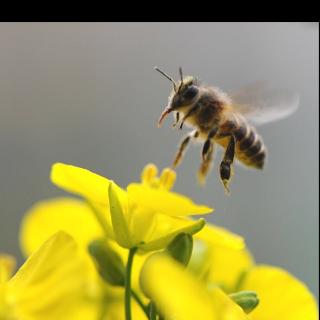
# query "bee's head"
(184, 93)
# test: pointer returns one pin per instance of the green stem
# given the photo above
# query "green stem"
(140, 303)
(153, 312)
(127, 295)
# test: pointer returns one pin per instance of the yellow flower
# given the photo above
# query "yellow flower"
(49, 285)
(75, 217)
(147, 215)
(185, 298)
(281, 295)
(59, 214)
(220, 257)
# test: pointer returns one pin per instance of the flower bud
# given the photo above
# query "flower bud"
(247, 300)
(109, 264)
(180, 248)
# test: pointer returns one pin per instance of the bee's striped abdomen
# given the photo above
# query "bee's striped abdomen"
(250, 147)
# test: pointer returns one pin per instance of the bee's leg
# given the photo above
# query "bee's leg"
(189, 113)
(207, 156)
(226, 163)
(209, 142)
(177, 119)
(178, 158)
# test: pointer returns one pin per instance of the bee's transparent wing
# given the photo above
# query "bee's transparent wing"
(261, 105)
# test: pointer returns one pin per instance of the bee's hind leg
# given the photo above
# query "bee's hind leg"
(207, 156)
(226, 164)
(179, 156)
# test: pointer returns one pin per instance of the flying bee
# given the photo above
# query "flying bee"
(226, 120)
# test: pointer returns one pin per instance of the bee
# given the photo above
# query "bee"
(226, 120)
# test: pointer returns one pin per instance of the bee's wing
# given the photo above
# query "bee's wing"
(261, 105)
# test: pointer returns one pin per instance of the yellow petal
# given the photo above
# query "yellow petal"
(225, 308)
(227, 267)
(47, 217)
(225, 257)
(89, 185)
(52, 282)
(165, 202)
(281, 295)
(80, 181)
(178, 295)
(182, 298)
(166, 228)
(217, 236)
(141, 224)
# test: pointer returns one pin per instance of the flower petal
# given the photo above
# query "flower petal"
(166, 228)
(141, 224)
(218, 236)
(227, 267)
(184, 298)
(52, 282)
(47, 217)
(225, 256)
(80, 181)
(281, 295)
(165, 202)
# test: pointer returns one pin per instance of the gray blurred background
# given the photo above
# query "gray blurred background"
(87, 94)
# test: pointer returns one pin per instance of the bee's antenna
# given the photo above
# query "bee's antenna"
(168, 77)
(181, 77)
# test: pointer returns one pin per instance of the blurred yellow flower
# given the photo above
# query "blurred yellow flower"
(58, 214)
(75, 217)
(220, 257)
(148, 215)
(185, 298)
(281, 295)
(233, 269)
(49, 285)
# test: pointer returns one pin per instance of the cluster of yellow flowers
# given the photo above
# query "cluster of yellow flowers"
(136, 254)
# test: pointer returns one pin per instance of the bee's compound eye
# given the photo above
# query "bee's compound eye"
(191, 92)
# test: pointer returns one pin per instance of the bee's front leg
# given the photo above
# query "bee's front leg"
(207, 156)
(226, 164)
(177, 119)
(178, 158)
(193, 110)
